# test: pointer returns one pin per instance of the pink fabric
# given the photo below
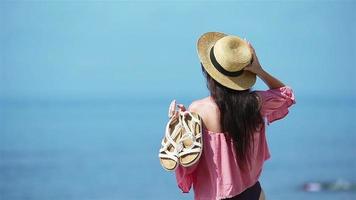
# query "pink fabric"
(218, 175)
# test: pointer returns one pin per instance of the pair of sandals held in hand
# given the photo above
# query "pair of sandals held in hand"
(183, 142)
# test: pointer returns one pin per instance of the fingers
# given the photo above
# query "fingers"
(248, 42)
(172, 112)
(181, 107)
(250, 45)
(252, 49)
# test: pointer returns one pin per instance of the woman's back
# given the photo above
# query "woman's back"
(234, 118)
(219, 173)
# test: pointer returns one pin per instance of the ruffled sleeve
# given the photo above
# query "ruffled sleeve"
(184, 177)
(276, 102)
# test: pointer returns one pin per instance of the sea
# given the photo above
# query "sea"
(107, 149)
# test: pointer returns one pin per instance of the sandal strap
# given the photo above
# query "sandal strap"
(196, 146)
(191, 136)
(172, 109)
(170, 139)
(194, 118)
(188, 132)
(189, 151)
(168, 155)
(185, 125)
(171, 135)
(193, 146)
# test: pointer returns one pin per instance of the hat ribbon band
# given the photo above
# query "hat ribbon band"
(220, 68)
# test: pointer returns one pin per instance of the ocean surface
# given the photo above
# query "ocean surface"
(108, 149)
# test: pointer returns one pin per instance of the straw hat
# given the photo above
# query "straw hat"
(224, 58)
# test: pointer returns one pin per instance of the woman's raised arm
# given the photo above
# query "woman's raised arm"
(256, 68)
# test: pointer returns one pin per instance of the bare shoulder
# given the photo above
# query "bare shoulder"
(209, 112)
(202, 105)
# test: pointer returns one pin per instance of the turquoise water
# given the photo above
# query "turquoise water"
(107, 149)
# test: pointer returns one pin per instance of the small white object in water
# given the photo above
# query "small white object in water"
(312, 187)
(338, 185)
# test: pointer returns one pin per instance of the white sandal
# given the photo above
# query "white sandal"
(170, 145)
(191, 140)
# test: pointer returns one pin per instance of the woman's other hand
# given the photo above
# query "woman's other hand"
(172, 110)
(255, 66)
(182, 109)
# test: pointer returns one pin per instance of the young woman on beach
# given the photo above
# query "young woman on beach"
(234, 119)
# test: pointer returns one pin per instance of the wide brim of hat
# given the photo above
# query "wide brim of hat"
(242, 82)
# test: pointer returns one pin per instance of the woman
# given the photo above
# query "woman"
(234, 119)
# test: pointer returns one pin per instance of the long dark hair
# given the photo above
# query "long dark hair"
(239, 115)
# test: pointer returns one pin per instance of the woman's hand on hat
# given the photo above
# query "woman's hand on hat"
(255, 66)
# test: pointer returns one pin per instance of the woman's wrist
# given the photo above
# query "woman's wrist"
(260, 72)
(270, 80)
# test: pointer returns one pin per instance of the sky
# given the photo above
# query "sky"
(118, 49)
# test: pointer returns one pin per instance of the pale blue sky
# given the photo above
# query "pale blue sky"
(117, 49)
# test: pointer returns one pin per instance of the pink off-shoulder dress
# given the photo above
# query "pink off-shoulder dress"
(218, 174)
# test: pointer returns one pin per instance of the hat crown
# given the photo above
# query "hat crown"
(232, 53)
